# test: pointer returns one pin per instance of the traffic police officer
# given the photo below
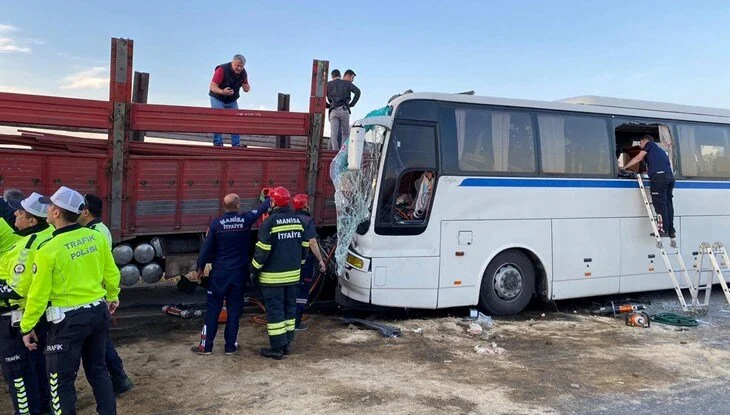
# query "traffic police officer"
(226, 247)
(7, 223)
(90, 217)
(301, 207)
(24, 371)
(76, 273)
(277, 267)
(662, 182)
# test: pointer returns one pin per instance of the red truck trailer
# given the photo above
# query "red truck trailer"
(166, 194)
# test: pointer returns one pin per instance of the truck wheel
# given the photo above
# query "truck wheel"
(507, 284)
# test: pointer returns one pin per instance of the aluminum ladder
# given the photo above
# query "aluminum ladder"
(694, 305)
(712, 252)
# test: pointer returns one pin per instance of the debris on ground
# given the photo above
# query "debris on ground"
(384, 329)
(417, 330)
(474, 329)
(575, 386)
(490, 349)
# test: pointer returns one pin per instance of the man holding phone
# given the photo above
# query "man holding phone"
(227, 81)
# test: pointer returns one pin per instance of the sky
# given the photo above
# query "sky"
(672, 51)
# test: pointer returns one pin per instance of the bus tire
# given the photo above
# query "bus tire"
(508, 284)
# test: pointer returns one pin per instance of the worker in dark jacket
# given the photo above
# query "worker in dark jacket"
(662, 182)
(339, 101)
(228, 79)
(301, 208)
(277, 267)
(226, 247)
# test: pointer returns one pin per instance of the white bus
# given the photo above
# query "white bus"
(527, 200)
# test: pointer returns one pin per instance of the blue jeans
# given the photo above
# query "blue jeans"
(217, 137)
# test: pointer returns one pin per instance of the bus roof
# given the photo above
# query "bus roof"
(590, 104)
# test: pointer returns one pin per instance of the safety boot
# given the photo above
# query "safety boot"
(122, 385)
(277, 354)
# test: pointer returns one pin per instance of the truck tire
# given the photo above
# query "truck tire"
(508, 284)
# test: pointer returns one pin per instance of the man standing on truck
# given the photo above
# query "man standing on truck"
(228, 79)
(662, 182)
(301, 207)
(226, 247)
(277, 267)
(339, 99)
(24, 371)
(91, 218)
(76, 286)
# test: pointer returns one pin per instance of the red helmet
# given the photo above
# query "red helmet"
(300, 201)
(280, 196)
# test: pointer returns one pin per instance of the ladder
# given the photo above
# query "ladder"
(694, 305)
(712, 252)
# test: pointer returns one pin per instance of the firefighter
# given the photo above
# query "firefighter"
(226, 247)
(277, 267)
(301, 207)
(24, 371)
(91, 218)
(74, 271)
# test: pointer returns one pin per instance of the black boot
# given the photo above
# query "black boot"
(122, 385)
(277, 354)
(286, 350)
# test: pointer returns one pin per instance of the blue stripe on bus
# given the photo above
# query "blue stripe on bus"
(584, 183)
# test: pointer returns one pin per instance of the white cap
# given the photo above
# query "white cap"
(66, 199)
(32, 204)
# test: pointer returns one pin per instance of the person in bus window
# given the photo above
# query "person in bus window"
(662, 182)
(424, 192)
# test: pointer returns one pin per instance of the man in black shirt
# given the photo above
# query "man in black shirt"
(662, 182)
(339, 102)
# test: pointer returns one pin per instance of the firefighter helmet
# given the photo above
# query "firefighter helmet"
(300, 201)
(280, 196)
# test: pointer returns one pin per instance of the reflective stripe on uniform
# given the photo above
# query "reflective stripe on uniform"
(276, 329)
(304, 261)
(287, 228)
(305, 244)
(55, 399)
(290, 324)
(280, 277)
(265, 247)
(256, 264)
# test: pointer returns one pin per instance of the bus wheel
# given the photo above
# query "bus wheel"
(507, 284)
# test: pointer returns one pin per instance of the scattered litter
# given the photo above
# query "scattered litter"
(447, 361)
(365, 399)
(473, 313)
(474, 328)
(490, 349)
(683, 342)
(485, 321)
(542, 315)
(575, 386)
(384, 329)
(418, 330)
(182, 310)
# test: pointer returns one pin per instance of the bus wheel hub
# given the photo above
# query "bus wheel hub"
(508, 282)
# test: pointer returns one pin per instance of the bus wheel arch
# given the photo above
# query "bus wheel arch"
(510, 280)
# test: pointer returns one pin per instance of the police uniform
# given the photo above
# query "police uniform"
(114, 364)
(24, 371)
(226, 247)
(308, 269)
(74, 272)
(278, 259)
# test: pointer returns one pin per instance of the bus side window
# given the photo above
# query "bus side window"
(411, 152)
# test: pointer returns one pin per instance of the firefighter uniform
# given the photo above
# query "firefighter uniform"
(277, 266)
(305, 285)
(226, 247)
(24, 371)
(74, 271)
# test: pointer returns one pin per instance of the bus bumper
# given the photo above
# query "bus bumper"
(356, 282)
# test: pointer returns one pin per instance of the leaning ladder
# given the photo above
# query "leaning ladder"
(712, 252)
(694, 306)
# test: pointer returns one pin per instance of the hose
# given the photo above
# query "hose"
(674, 320)
(260, 319)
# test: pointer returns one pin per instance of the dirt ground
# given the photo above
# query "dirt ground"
(555, 362)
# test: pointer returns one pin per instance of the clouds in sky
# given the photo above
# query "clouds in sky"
(96, 77)
(9, 43)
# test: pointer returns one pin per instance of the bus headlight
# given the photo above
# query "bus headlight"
(355, 261)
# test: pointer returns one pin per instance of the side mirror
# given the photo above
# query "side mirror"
(355, 148)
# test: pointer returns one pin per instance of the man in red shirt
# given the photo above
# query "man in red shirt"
(228, 79)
